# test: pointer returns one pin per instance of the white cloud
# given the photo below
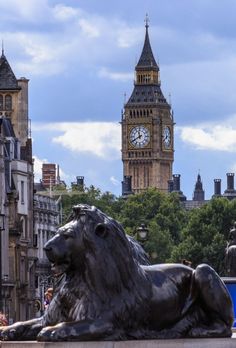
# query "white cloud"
(38, 164)
(89, 29)
(114, 181)
(65, 13)
(78, 37)
(27, 10)
(210, 136)
(41, 54)
(102, 139)
(118, 76)
(128, 37)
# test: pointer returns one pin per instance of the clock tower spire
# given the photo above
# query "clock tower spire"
(147, 128)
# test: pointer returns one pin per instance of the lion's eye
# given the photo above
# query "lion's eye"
(69, 234)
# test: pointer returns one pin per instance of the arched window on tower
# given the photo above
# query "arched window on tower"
(1, 102)
(8, 102)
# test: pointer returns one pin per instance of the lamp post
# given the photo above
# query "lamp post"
(142, 233)
(2, 228)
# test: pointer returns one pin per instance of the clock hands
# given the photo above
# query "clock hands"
(138, 137)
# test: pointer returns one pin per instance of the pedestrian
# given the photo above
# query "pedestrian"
(3, 319)
(48, 297)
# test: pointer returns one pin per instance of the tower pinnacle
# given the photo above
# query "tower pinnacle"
(146, 20)
(2, 48)
(147, 60)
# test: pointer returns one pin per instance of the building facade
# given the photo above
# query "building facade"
(46, 220)
(147, 129)
(18, 256)
(49, 175)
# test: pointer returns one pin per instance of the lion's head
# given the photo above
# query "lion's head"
(92, 240)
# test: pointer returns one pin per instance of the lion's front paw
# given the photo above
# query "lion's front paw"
(53, 334)
(45, 334)
(9, 333)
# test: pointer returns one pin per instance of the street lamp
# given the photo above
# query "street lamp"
(2, 228)
(142, 233)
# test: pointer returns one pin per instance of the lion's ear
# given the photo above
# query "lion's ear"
(101, 230)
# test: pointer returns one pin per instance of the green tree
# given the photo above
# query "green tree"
(159, 244)
(140, 208)
(203, 239)
(164, 216)
(198, 235)
(107, 202)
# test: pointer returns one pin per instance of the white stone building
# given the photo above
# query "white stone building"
(46, 220)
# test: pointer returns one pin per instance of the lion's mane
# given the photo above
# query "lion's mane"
(110, 279)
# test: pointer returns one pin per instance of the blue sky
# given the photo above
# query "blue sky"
(80, 58)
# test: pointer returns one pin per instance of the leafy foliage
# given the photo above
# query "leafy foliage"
(175, 234)
(203, 238)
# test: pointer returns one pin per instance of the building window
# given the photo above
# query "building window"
(22, 192)
(8, 102)
(1, 102)
(35, 240)
(23, 227)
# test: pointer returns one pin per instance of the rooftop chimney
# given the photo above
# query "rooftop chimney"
(217, 188)
(230, 192)
(176, 187)
(127, 185)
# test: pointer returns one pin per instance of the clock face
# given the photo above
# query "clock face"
(139, 136)
(166, 137)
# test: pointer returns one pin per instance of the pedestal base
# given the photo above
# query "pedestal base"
(178, 343)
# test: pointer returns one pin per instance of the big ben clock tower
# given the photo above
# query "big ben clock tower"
(147, 129)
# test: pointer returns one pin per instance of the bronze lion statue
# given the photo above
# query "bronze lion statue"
(104, 293)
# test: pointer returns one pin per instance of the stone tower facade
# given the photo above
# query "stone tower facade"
(147, 129)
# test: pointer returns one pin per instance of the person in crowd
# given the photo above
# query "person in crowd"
(48, 297)
(3, 319)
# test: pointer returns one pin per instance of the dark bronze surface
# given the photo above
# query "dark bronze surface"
(103, 293)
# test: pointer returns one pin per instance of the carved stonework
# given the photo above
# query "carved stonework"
(147, 128)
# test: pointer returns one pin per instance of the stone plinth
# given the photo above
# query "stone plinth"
(178, 343)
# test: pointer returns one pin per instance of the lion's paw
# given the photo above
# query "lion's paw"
(52, 334)
(8, 334)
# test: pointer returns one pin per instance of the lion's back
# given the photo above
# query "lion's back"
(171, 286)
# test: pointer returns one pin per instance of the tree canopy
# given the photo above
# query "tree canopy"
(198, 235)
